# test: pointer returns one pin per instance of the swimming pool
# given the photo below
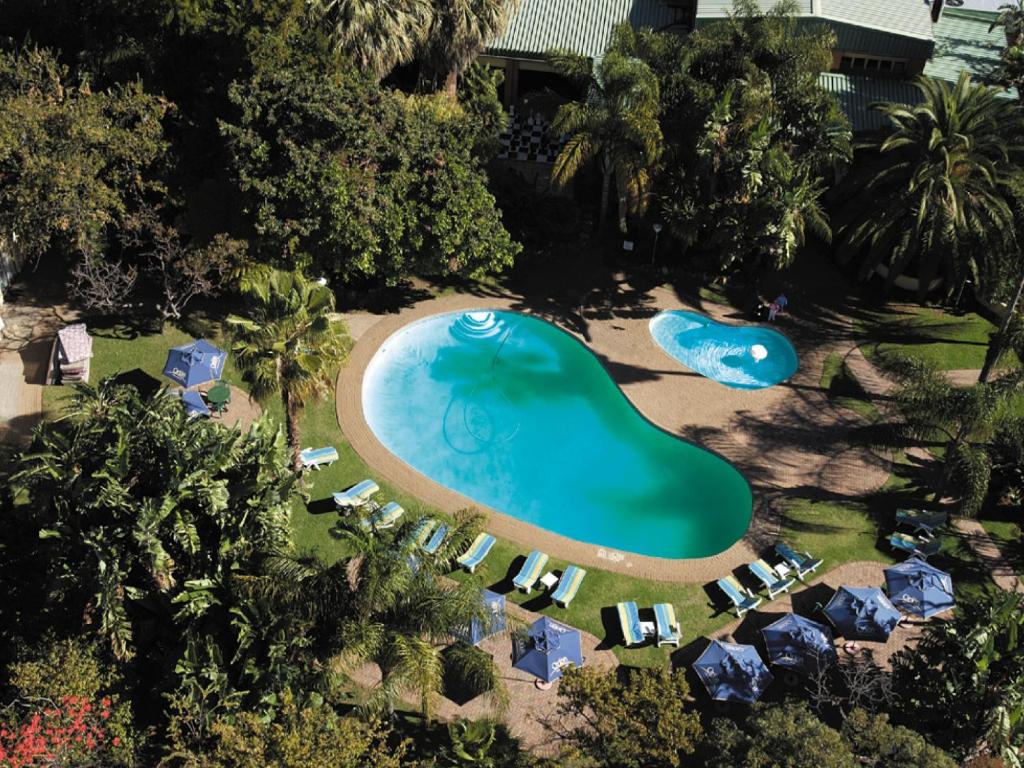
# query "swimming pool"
(518, 415)
(738, 356)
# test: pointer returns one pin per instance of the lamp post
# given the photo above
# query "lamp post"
(654, 248)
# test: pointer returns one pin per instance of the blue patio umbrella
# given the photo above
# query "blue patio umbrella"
(732, 672)
(195, 404)
(195, 363)
(919, 588)
(799, 643)
(548, 649)
(862, 613)
(492, 622)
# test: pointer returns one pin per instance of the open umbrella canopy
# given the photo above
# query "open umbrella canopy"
(799, 643)
(919, 588)
(195, 404)
(862, 613)
(549, 648)
(195, 363)
(492, 622)
(732, 672)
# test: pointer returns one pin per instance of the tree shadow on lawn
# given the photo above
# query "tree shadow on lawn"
(145, 384)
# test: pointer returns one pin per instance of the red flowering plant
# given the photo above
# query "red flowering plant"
(69, 732)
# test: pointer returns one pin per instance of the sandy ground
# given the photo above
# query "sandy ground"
(783, 438)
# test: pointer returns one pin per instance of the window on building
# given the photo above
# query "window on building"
(875, 64)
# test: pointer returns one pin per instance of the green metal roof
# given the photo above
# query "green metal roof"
(909, 18)
(962, 41)
(583, 26)
(856, 94)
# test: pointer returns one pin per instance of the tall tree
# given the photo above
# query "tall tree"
(938, 201)
(378, 35)
(456, 34)
(615, 122)
(288, 344)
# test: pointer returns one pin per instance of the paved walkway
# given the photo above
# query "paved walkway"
(985, 549)
(787, 440)
(530, 710)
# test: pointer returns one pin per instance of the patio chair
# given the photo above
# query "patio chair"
(922, 521)
(356, 496)
(419, 534)
(801, 562)
(531, 571)
(436, 539)
(385, 517)
(669, 632)
(770, 579)
(477, 551)
(314, 458)
(906, 543)
(568, 586)
(742, 599)
(629, 621)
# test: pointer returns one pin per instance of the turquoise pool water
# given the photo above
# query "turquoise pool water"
(519, 416)
(739, 356)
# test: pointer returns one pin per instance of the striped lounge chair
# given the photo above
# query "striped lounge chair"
(629, 620)
(922, 521)
(669, 632)
(477, 551)
(314, 458)
(420, 533)
(907, 543)
(742, 599)
(385, 517)
(356, 496)
(568, 586)
(801, 562)
(436, 539)
(531, 571)
(770, 579)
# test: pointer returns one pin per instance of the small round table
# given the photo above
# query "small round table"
(219, 396)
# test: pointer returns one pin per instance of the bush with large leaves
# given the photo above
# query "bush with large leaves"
(146, 525)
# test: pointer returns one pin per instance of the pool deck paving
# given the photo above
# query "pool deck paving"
(784, 439)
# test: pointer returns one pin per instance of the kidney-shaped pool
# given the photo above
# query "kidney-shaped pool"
(517, 415)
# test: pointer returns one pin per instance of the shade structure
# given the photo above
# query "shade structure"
(732, 672)
(799, 643)
(194, 404)
(919, 588)
(195, 363)
(862, 613)
(548, 649)
(492, 622)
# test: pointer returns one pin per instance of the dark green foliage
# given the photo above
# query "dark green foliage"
(963, 686)
(357, 183)
(480, 96)
(779, 736)
(751, 137)
(878, 744)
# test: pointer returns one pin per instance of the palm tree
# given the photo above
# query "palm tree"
(940, 201)
(457, 32)
(289, 344)
(617, 123)
(1011, 19)
(377, 34)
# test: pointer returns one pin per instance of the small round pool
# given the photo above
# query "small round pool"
(738, 356)
(515, 413)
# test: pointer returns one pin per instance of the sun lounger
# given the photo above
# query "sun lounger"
(922, 521)
(770, 579)
(629, 620)
(436, 539)
(743, 599)
(568, 586)
(531, 571)
(669, 632)
(314, 458)
(385, 517)
(477, 551)
(419, 534)
(907, 543)
(801, 562)
(356, 496)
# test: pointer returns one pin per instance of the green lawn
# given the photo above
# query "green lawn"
(947, 340)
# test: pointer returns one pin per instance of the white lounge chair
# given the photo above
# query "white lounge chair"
(314, 458)
(356, 496)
